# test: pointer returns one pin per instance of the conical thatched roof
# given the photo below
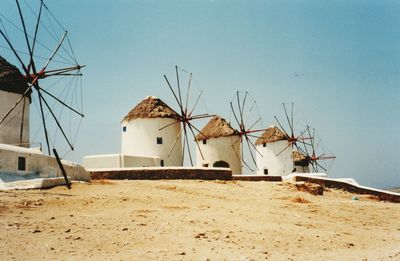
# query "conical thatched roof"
(271, 134)
(216, 127)
(300, 159)
(11, 79)
(151, 107)
(298, 156)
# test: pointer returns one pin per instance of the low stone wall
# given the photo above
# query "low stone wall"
(162, 173)
(257, 178)
(329, 183)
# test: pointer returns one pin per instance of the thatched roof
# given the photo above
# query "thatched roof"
(11, 79)
(151, 107)
(271, 134)
(216, 127)
(298, 156)
(300, 159)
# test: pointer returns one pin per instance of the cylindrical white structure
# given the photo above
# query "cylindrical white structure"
(220, 146)
(14, 130)
(141, 134)
(276, 153)
(301, 162)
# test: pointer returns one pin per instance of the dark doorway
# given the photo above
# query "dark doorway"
(21, 163)
(221, 164)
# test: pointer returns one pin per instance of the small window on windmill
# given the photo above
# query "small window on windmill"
(204, 141)
(159, 140)
(264, 144)
(124, 129)
(265, 171)
(205, 165)
(162, 163)
(21, 163)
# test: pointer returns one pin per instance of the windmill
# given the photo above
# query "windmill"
(45, 69)
(276, 146)
(304, 143)
(185, 112)
(245, 113)
(293, 139)
(314, 154)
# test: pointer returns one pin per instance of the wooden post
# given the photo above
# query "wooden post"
(62, 169)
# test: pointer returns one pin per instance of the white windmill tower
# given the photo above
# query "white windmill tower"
(277, 145)
(144, 132)
(219, 145)
(285, 152)
(15, 130)
(301, 162)
(186, 115)
(275, 157)
(317, 156)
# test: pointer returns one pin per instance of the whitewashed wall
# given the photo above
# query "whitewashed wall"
(119, 161)
(302, 169)
(37, 162)
(277, 165)
(140, 139)
(221, 148)
(10, 128)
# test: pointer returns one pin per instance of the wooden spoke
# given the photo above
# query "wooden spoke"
(176, 140)
(197, 143)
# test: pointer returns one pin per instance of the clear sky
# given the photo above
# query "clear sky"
(338, 61)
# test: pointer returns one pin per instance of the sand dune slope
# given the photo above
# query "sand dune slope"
(195, 220)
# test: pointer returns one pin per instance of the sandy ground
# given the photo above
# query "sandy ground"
(195, 220)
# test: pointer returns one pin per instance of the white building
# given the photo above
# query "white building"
(15, 129)
(220, 146)
(276, 157)
(118, 161)
(31, 162)
(301, 163)
(153, 129)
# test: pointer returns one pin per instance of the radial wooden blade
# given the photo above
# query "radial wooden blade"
(197, 143)
(175, 96)
(187, 143)
(251, 153)
(169, 124)
(43, 120)
(179, 87)
(292, 120)
(61, 102)
(15, 53)
(234, 114)
(195, 104)
(187, 93)
(283, 150)
(26, 37)
(283, 129)
(57, 122)
(16, 104)
(287, 118)
(322, 167)
(21, 132)
(36, 30)
(175, 142)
